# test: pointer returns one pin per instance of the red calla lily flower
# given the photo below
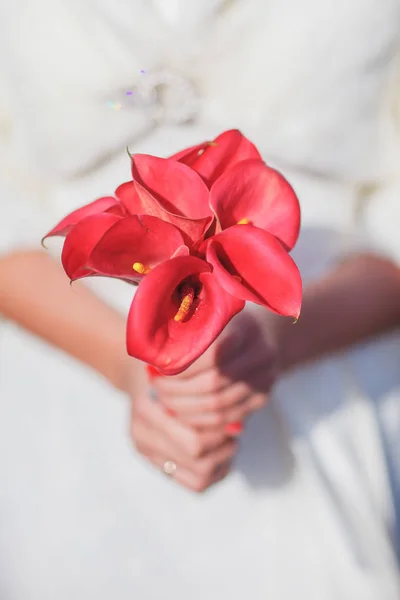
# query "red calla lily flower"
(108, 204)
(251, 192)
(252, 265)
(80, 242)
(138, 200)
(133, 246)
(211, 159)
(202, 232)
(177, 187)
(123, 247)
(189, 155)
(178, 311)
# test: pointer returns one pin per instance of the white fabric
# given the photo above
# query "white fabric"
(309, 511)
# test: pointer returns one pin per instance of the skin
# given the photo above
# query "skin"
(204, 456)
(231, 379)
(358, 300)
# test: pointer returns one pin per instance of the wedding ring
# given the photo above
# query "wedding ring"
(169, 467)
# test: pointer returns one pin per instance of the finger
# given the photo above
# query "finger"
(149, 442)
(206, 382)
(210, 465)
(182, 475)
(258, 382)
(182, 436)
(240, 368)
(193, 481)
(217, 401)
(238, 413)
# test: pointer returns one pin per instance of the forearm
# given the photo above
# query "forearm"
(358, 300)
(36, 294)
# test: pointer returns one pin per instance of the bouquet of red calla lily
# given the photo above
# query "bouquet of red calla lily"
(203, 232)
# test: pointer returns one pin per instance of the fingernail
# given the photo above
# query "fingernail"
(152, 372)
(170, 412)
(233, 428)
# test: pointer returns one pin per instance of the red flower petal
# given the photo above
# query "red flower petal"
(224, 152)
(80, 242)
(152, 372)
(132, 202)
(253, 265)
(108, 203)
(177, 188)
(253, 191)
(142, 239)
(155, 337)
(137, 200)
(189, 155)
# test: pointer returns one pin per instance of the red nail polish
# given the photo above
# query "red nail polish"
(234, 428)
(152, 372)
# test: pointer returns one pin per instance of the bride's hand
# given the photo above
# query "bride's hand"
(201, 457)
(231, 380)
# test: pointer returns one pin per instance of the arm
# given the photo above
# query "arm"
(358, 300)
(36, 294)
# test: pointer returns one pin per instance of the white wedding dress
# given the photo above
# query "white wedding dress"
(310, 510)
